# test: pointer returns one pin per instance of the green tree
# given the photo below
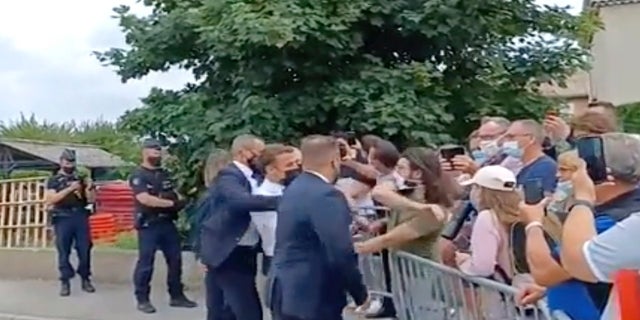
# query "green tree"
(103, 134)
(412, 71)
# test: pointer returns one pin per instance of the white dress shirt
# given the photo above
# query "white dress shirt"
(266, 221)
(251, 236)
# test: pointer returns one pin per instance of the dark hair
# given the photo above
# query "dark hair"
(593, 122)
(440, 188)
(604, 104)
(345, 135)
(272, 151)
(369, 141)
(386, 153)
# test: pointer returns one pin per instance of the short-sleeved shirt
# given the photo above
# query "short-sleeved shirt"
(543, 169)
(61, 181)
(156, 182)
(612, 251)
(424, 224)
(582, 300)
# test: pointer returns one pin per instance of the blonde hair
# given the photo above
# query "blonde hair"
(504, 204)
(569, 160)
(217, 159)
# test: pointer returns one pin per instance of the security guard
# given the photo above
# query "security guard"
(67, 197)
(156, 208)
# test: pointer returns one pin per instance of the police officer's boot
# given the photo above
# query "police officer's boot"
(65, 288)
(87, 286)
(181, 301)
(146, 307)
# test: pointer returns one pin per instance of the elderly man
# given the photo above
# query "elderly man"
(488, 135)
(524, 141)
(592, 250)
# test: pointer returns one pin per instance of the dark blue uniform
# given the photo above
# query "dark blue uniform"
(70, 219)
(156, 230)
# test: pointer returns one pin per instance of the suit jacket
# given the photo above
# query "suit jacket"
(314, 265)
(231, 202)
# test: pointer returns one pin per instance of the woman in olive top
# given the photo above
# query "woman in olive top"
(419, 209)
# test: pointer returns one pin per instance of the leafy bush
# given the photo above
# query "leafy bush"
(416, 72)
(127, 241)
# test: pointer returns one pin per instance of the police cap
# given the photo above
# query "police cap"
(151, 144)
(68, 155)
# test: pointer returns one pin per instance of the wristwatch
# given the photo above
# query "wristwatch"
(580, 202)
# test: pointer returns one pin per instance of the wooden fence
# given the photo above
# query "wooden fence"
(24, 222)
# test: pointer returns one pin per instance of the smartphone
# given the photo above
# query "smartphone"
(533, 191)
(553, 111)
(451, 152)
(351, 138)
(591, 150)
(343, 151)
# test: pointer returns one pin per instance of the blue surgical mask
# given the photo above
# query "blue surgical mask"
(490, 148)
(479, 156)
(564, 188)
(511, 148)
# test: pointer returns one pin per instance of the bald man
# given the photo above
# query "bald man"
(314, 265)
(229, 239)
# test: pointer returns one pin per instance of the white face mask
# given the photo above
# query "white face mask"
(490, 148)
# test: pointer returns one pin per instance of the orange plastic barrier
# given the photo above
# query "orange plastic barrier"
(116, 198)
(103, 228)
(627, 286)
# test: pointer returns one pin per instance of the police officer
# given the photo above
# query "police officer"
(156, 208)
(67, 197)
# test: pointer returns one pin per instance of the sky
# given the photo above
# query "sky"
(47, 69)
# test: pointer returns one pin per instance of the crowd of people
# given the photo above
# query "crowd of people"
(468, 207)
(565, 248)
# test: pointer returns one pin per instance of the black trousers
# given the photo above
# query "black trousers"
(234, 283)
(73, 230)
(387, 303)
(161, 235)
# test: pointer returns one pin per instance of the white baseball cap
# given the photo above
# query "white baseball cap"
(494, 178)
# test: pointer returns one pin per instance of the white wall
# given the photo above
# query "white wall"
(616, 53)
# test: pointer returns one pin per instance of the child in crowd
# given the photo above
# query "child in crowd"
(568, 163)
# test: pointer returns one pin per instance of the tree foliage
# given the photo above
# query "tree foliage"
(413, 71)
(103, 134)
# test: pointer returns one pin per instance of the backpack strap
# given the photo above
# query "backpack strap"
(518, 246)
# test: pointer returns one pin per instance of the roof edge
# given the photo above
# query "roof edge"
(607, 3)
(49, 143)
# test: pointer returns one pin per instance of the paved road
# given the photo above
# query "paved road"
(39, 300)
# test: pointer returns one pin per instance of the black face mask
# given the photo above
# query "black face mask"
(155, 161)
(408, 188)
(68, 170)
(254, 164)
(290, 175)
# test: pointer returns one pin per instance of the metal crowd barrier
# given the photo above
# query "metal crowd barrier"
(422, 289)
(372, 265)
(427, 290)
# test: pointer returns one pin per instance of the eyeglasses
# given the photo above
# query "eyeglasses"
(513, 136)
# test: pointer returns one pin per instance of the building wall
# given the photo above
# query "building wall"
(616, 54)
(577, 105)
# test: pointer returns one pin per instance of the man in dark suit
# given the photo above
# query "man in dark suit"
(314, 265)
(229, 239)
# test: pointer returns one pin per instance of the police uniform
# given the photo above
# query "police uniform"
(157, 230)
(70, 219)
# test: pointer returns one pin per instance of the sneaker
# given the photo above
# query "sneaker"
(146, 307)
(65, 289)
(87, 286)
(374, 308)
(182, 302)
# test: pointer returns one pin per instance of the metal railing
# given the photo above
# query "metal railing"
(425, 289)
